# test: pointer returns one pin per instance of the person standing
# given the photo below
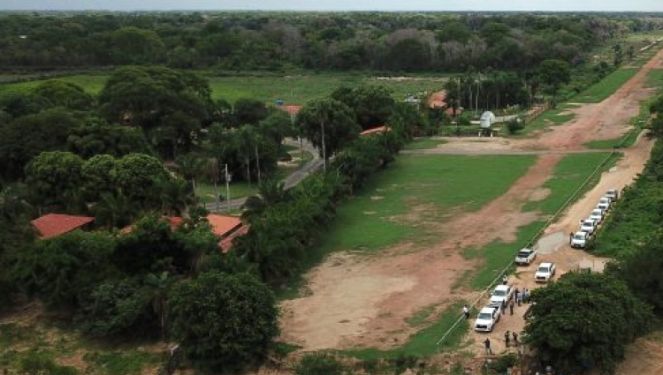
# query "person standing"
(507, 337)
(511, 307)
(515, 338)
(466, 311)
(486, 345)
(504, 280)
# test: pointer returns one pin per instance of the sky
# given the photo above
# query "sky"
(338, 5)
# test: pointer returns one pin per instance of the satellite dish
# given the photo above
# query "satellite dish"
(487, 120)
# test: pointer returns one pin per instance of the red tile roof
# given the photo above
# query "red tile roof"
(53, 225)
(292, 109)
(223, 225)
(227, 243)
(376, 130)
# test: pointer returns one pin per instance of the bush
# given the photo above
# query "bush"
(514, 126)
(36, 362)
(319, 364)
(223, 322)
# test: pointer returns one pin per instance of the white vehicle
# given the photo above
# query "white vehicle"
(525, 256)
(613, 194)
(501, 294)
(605, 200)
(486, 319)
(588, 226)
(545, 272)
(596, 215)
(579, 240)
(604, 204)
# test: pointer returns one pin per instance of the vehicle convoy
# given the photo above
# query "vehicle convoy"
(525, 256)
(486, 319)
(579, 240)
(597, 215)
(501, 295)
(588, 226)
(545, 272)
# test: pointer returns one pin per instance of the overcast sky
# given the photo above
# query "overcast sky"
(338, 5)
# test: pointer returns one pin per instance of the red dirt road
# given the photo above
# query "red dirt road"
(364, 300)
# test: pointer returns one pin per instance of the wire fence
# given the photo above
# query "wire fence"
(536, 236)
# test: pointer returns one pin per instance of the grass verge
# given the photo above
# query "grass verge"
(423, 143)
(605, 87)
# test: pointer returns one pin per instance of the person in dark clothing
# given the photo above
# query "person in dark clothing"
(511, 307)
(486, 344)
(507, 337)
(515, 338)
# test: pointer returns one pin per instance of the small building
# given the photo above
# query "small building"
(53, 225)
(291, 109)
(376, 130)
(226, 229)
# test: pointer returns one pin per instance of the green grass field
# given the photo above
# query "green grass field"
(292, 89)
(550, 117)
(423, 143)
(606, 87)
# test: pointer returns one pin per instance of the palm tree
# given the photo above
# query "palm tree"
(114, 209)
(190, 167)
(158, 289)
(270, 192)
(175, 196)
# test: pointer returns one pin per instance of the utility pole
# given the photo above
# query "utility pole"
(227, 178)
(324, 147)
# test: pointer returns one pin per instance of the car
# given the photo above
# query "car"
(544, 272)
(613, 194)
(588, 226)
(579, 240)
(501, 294)
(597, 215)
(604, 204)
(606, 200)
(525, 256)
(486, 319)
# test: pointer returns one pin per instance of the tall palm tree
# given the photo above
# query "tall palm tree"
(158, 286)
(114, 210)
(175, 196)
(190, 167)
(270, 192)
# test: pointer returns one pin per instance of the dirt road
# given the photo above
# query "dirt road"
(364, 300)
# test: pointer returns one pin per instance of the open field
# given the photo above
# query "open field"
(290, 88)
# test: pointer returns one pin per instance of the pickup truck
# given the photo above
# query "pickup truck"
(597, 215)
(545, 272)
(486, 319)
(525, 256)
(501, 294)
(613, 194)
(588, 225)
(579, 240)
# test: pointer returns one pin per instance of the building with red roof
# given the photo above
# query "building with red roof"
(292, 109)
(226, 229)
(376, 130)
(227, 243)
(53, 225)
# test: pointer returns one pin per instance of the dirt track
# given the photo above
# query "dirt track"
(365, 300)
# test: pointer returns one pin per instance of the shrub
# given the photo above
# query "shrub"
(319, 364)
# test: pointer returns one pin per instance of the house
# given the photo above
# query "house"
(53, 225)
(438, 100)
(376, 130)
(292, 109)
(226, 229)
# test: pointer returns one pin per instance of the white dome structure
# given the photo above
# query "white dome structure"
(487, 120)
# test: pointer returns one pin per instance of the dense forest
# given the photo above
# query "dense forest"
(272, 41)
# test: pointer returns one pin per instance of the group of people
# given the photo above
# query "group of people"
(519, 297)
(509, 337)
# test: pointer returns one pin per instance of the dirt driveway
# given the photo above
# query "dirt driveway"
(364, 300)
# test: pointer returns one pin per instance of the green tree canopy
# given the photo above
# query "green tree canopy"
(372, 104)
(553, 74)
(337, 120)
(585, 321)
(223, 321)
(249, 111)
(56, 93)
(28, 136)
(131, 45)
(54, 179)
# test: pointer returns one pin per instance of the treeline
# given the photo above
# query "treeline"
(585, 320)
(248, 41)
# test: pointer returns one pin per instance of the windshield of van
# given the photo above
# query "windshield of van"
(579, 237)
(543, 269)
(523, 254)
(499, 293)
(485, 316)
